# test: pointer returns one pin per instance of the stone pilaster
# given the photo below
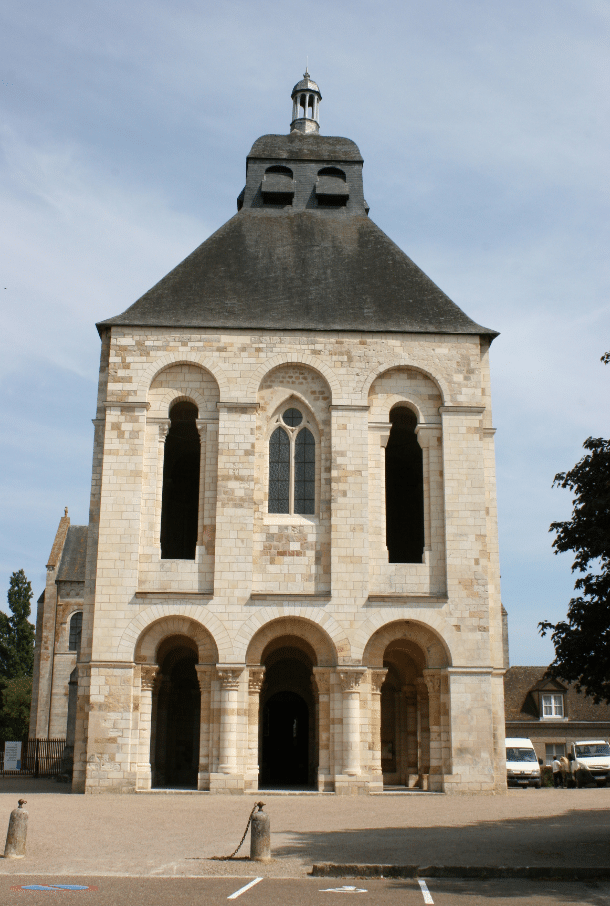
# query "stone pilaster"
(349, 503)
(433, 682)
(204, 677)
(228, 779)
(321, 684)
(147, 683)
(423, 732)
(256, 676)
(377, 678)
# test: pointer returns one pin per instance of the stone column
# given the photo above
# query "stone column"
(376, 677)
(379, 435)
(321, 683)
(229, 685)
(164, 426)
(147, 683)
(410, 699)
(423, 734)
(350, 682)
(256, 676)
(433, 682)
(204, 677)
(202, 430)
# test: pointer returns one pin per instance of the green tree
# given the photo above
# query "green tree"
(582, 642)
(16, 631)
(15, 713)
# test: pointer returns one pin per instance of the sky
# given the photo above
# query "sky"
(124, 129)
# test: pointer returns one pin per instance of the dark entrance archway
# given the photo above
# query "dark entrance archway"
(177, 716)
(287, 740)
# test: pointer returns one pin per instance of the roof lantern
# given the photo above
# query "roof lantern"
(306, 99)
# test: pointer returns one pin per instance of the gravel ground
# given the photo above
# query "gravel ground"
(157, 835)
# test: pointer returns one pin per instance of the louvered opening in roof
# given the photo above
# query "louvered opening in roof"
(278, 185)
(331, 187)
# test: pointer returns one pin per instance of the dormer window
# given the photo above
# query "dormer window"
(551, 706)
(331, 188)
(277, 187)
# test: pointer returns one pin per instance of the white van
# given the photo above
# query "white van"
(590, 761)
(522, 766)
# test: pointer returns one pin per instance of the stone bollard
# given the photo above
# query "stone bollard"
(17, 832)
(260, 836)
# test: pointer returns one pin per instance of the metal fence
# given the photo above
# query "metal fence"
(39, 758)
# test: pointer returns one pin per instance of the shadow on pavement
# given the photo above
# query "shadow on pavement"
(576, 838)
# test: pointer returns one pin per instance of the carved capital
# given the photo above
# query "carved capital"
(204, 677)
(229, 677)
(350, 678)
(321, 680)
(164, 427)
(433, 682)
(201, 428)
(256, 675)
(377, 678)
(148, 677)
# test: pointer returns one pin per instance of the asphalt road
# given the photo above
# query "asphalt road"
(128, 891)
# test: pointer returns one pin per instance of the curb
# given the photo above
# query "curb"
(542, 872)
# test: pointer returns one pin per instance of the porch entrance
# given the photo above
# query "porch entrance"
(177, 713)
(287, 742)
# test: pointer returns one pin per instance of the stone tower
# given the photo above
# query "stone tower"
(292, 564)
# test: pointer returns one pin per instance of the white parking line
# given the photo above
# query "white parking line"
(424, 889)
(241, 890)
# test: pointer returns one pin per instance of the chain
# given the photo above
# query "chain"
(240, 844)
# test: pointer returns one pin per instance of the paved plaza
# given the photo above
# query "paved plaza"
(175, 835)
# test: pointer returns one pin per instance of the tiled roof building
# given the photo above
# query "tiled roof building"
(291, 568)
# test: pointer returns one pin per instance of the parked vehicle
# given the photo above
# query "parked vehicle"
(590, 761)
(522, 765)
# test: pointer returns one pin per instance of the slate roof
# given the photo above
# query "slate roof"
(519, 705)
(72, 564)
(301, 271)
(300, 146)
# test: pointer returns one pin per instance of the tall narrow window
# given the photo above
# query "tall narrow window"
(404, 490)
(292, 466)
(180, 501)
(76, 630)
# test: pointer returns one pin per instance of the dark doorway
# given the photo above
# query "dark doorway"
(404, 484)
(285, 740)
(180, 500)
(176, 761)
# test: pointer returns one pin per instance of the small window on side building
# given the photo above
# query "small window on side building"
(552, 706)
(76, 630)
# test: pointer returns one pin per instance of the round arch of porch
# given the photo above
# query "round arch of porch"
(159, 618)
(434, 649)
(315, 638)
(152, 638)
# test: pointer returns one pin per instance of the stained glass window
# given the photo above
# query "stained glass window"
(292, 466)
(279, 472)
(305, 473)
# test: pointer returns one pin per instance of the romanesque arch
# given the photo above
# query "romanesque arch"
(157, 618)
(151, 639)
(389, 365)
(327, 638)
(210, 365)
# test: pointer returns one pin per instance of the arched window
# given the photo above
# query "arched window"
(404, 489)
(76, 630)
(180, 501)
(292, 466)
